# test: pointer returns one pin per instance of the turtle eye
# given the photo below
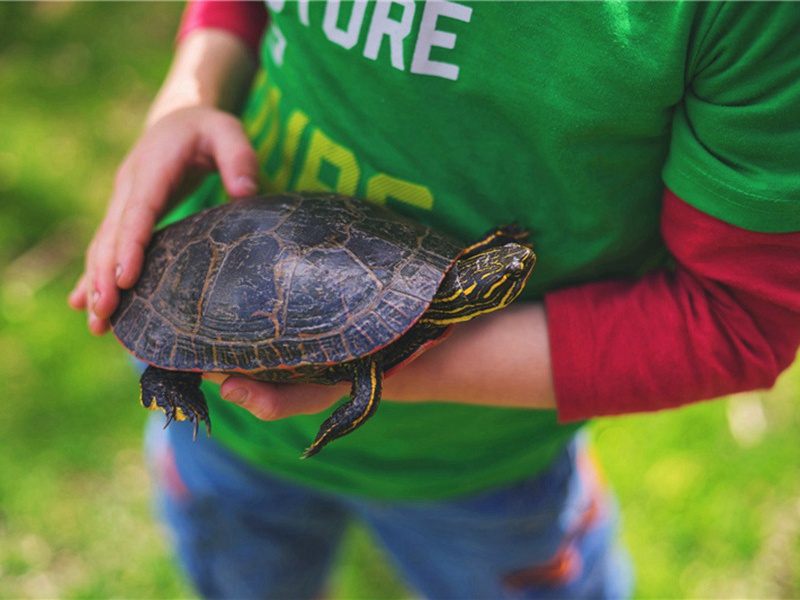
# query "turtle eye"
(515, 269)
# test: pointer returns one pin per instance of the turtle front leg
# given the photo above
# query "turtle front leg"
(177, 393)
(364, 398)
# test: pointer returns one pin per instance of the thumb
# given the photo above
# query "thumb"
(234, 156)
(273, 401)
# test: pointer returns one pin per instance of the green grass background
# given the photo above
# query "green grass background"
(710, 494)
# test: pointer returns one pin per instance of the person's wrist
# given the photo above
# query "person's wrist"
(212, 69)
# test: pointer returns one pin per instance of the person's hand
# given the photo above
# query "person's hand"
(172, 153)
(273, 401)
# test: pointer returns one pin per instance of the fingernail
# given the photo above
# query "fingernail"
(95, 298)
(236, 395)
(248, 185)
(118, 273)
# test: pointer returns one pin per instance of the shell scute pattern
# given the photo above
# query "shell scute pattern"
(179, 296)
(288, 283)
(245, 291)
(326, 289)
(249, 222)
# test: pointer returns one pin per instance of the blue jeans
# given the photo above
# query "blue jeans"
(241, 533)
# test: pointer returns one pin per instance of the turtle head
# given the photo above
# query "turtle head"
(482, 282)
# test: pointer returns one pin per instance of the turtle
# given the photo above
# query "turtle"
(305, 287)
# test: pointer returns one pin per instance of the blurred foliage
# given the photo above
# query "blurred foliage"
(710, 494)
(76, 79)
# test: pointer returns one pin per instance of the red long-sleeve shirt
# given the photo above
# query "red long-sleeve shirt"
(725, 319)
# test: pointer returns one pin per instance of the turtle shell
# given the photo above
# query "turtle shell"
(292, 282)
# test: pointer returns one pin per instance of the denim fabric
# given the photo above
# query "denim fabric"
(241, 533)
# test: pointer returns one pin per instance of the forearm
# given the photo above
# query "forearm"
(211, 68)
(502, 359)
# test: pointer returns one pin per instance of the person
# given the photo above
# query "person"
(651, 149)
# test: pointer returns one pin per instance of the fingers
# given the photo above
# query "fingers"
(97, 293)
(115, 256)
(271, 401)
(79, 300)
(233, 155)
(179, 144)
(141, 209)
(77, 297)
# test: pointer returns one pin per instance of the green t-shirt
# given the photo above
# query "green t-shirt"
(567, 118)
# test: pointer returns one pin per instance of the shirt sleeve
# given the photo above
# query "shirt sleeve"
(725, 319)
(245, 19)
(735, 137)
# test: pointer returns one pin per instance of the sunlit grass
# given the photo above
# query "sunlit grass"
(711, 508)
(710, 494)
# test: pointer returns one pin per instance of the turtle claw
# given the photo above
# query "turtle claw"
(195, 420)
(178, 395)
(175, 413)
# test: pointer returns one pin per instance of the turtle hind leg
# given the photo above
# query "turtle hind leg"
(177, 393)
(364, 398)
